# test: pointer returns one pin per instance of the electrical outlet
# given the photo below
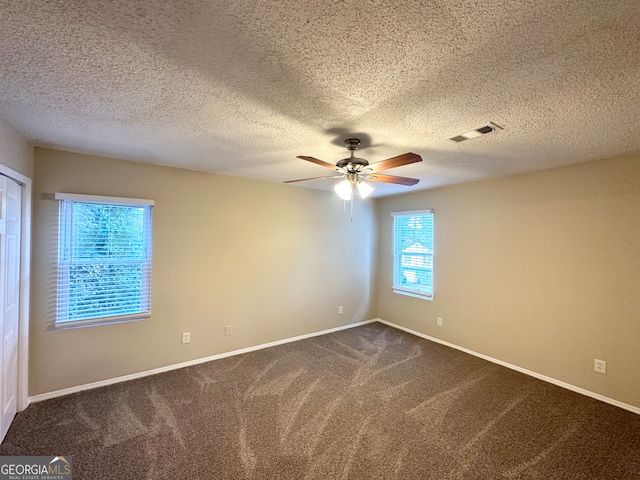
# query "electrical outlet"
(599, 366)
(340, 310)
(228, 330)
(186, 337)
(439, 321)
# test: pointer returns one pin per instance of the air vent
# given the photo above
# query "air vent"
(476, 132)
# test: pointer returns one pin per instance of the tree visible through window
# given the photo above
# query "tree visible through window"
(413, 253)
(104, 260)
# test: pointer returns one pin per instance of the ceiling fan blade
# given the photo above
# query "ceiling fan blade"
(377, 177)
(317, 162)
(404, 159)
(312, 178)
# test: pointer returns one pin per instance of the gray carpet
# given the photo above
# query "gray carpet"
(367, 403)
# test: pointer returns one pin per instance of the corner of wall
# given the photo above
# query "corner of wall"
(15, 152)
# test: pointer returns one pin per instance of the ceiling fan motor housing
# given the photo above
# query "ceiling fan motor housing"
(352, 143)
(354, 164)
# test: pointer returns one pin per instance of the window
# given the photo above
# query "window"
(104, 260)
(413, 253)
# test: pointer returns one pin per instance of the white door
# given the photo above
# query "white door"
(10, 217)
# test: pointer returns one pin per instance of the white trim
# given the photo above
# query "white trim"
(412, 212)
(97, 322)
(102, 199)
(413, 293)
(531, 373)
(133, 376)
(25, 283)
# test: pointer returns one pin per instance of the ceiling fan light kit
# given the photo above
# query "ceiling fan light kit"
(364, 189)
(354, 171)
(346, 187)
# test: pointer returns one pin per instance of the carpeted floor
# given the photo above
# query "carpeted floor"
(367, 403)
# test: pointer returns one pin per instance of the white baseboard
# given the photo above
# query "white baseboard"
(531, 373)
(133, 376)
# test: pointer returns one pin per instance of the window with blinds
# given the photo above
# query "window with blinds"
(413, 253)
(104, 259)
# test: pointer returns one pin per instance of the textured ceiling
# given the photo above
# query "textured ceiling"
(241, 87)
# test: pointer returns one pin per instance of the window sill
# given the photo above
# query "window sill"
(101, 321)
(426, 296)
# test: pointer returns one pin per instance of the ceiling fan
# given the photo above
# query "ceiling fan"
(356, 170)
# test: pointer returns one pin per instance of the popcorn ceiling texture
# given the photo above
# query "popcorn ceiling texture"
(242, 87)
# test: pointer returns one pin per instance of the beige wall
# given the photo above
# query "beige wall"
(15, 152)
(539, 270)
(274, 261)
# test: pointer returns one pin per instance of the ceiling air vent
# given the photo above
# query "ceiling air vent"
(476, 132)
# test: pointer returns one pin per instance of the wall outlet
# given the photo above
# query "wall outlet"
(228, 330)
(340, 310)
(599, 366)
(439, 321)
(186, 337)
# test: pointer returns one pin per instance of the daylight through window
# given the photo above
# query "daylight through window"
(413, 253)
(104, 259)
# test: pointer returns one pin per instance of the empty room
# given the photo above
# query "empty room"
(320, 240)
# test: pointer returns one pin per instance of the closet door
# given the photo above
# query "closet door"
(10, 218)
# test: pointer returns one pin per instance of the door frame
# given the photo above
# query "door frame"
(25, 282)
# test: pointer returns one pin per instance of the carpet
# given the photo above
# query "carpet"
(370, 402)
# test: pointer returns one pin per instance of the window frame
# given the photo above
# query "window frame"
(398, 258)
(65, 243)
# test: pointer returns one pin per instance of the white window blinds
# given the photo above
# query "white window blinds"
(104, 259)
(413, 253)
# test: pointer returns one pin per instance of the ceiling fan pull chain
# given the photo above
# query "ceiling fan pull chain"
(351, 201)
